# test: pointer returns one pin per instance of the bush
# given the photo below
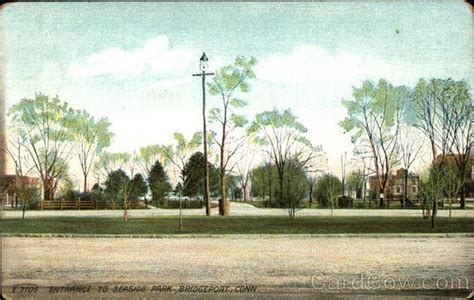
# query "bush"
(185, 204)
(345, 202)
(325, 186)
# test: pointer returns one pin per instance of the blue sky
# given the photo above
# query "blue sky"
(132, 62)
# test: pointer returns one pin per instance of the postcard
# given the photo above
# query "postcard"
(235, 150)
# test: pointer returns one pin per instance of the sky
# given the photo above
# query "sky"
(133, 62)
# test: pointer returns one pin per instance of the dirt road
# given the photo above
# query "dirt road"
(271, 264)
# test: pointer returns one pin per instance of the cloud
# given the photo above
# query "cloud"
(156, 56)
(313, 64)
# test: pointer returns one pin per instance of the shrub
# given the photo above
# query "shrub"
(345, 202)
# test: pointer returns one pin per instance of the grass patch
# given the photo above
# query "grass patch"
(237, 225)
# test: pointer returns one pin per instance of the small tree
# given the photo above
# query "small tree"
(355, 183)
(294, 187)
(264, 180)
(435, 186)
(328, 188)
(452, 186)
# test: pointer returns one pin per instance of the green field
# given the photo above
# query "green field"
(237, 225)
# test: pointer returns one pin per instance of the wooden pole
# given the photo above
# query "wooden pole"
(206, 167)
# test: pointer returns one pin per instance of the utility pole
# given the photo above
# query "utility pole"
(343, 167)
(203, 65)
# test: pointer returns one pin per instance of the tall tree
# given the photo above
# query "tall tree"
(46, 124)
(194, 176)
(159, 183)
(91, 137)
(442, 111)
(284, 141)
(227, 82)
(374, 117)
(149, 155)
(139, 187)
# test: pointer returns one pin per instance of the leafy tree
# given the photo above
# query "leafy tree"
(434, 186)
(452, 185)
(355, 183)
(116, 184)
(179, 154)
(226, 83)
(283, 137)
(96, 188)
(264, 179)
(139, 187)
(374, 117)
(159, 183)
(194, 176)
(91, 137)
(233, 187)
(441, 109)
(328, 187)
(46, 124)
(295, 187)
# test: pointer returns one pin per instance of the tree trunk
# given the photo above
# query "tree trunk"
(449, 200)
(405, 192)
(433, 214)
(85, 183)
(381, 198)
(223, 204)
(463, 197)
(244, 188)
(310, 196)
(48, 189)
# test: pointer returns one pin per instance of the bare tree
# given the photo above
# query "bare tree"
(226, 83)
(374, 117)
(244, 164)
(286, 146)
(442, 108)
(410, 146)
(24, 188)
(46, 124)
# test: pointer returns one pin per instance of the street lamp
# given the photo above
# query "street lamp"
(203, 66)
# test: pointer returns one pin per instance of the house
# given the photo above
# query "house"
(7, 187)
(396, 186)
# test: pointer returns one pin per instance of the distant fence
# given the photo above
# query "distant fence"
(88, 204)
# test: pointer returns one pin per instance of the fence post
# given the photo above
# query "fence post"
(60, 203)
(95, 203)
(78, 201)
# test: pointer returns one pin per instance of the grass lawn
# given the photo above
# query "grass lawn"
(237, 225)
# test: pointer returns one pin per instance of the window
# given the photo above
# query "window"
(414, 189)
(398, 190)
